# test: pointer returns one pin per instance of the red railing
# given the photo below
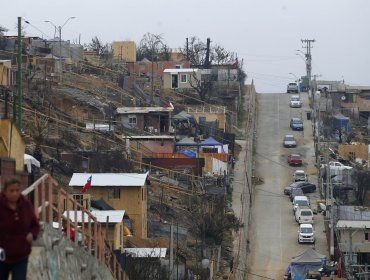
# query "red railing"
(50, 200)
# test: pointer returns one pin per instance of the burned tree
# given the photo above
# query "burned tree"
(201, 84)
(362, 179)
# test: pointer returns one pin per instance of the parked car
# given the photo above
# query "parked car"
(296, 124)
(306, 234)
(304, 215)
(292, 87)
(294, 192)
(306, 187)
(295, 102)
(300, 175)
(289, 141)
(300, 201)
(295, 159)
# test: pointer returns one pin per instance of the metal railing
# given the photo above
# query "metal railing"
(50, 200)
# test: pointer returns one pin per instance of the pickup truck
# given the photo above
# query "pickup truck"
(292, 87)
(336, 165)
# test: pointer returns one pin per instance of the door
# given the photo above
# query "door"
(175, 81)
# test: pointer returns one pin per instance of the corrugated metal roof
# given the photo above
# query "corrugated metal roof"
(115, 216)
(109, 179)
(142, 110)
(180, 70)
(146, 252)
(343, 224)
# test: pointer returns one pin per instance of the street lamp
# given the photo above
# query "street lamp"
(59, 28)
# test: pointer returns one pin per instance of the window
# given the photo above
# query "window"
(115, 193)
(184, 78)
(178, 66)
(366, 236)
(132, 119)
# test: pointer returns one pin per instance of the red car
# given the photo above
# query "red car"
(295, 159)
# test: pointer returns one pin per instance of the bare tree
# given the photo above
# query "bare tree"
(201, 85)
(150, 46)
(2, 40)
(195, 50)
(221, 56)
(98, 46)
(363, 185)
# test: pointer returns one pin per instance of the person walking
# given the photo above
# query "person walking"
(18, 227)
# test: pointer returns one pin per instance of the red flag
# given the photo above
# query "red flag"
(87, 185)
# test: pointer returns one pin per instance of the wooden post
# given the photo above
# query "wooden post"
(96, 239)
(43, 212)
(50, 199)
(36, 201)
(67, 209)
(89, 233)
(114, 266)
(59, 209)
(83, 226)
(75, 220)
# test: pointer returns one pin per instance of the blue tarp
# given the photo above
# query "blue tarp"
(210, 142)
(191, 154)
(309, 260)
(341, 121)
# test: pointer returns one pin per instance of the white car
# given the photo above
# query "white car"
(289, 141)
(295, 102)
(306, 234)
(304, 215)
(300, 175)
(299, 201)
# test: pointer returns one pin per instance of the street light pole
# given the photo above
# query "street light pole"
(60, 41)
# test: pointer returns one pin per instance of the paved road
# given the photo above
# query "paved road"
(273, 233)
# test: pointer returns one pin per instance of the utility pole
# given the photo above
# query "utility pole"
(308, 47)
(207, 63)
(187, 49)
(17, 106)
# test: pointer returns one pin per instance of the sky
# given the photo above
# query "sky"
(265, 34)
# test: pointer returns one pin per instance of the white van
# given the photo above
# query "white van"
(304, 215)
(299, 201)
(306, 234)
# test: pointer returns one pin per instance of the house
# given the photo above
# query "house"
(354, 151)
(151, 119)
(124, 50)
(123, 191)
(210, 118)
(180, 78)
(113, 224)
(153, 143)
(7, 77)
(144, 70)
(354, 237)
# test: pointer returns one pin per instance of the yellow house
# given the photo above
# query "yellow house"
(112, 222)
(209, 114)
(124, 50)
(6, 77)
(122, 191)
(11, 143)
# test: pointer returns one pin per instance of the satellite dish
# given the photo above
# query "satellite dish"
(343, 97)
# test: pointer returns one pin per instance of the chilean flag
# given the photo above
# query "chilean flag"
(87, 185)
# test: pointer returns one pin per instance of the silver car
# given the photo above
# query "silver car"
(289, 141)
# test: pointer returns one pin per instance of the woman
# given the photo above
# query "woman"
(18, 227)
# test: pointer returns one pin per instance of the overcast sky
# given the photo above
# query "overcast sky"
(264, 33)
